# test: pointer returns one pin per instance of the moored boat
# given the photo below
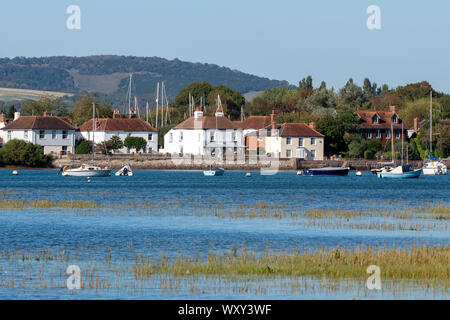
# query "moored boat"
(327, 171)
(401, 172)
(214, 172)
(86, 171)
(125, 171)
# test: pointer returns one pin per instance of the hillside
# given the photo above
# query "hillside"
(110, 75)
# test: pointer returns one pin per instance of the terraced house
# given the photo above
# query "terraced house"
(55, 134)
(288, 140)
(376, 124)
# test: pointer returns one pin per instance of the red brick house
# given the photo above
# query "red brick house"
(376, 124)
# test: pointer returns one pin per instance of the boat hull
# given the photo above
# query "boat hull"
(405, 175)
(81, 173)
(326, 172)
(211, 173)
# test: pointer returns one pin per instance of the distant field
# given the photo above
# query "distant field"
(8, 94)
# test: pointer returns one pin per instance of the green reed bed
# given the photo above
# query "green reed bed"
(423, 264)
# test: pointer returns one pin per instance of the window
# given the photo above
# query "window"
(394, 118)
(171, 137)
(41, 134)
(64, 134)
(378, 134)
(9, 135)
(288, 153)
(369, 134)
(150, 137)
(375, 119)
(388, 134)
(313, 141)
(64, 150)
(233, 136)
(313, 154)
(212, 137)
(25, 134)
(54, 134)
(300, 142)
(181, 136)
(288, 140)
(397, 134)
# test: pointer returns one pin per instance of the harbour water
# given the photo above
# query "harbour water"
(166, 213)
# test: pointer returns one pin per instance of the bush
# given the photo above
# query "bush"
(137, 143)
(374, 145)
(21, 153)
(84, 147)
(369, 154)
(116, 143)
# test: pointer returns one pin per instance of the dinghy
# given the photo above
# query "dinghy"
(214, 172)
(125, 171)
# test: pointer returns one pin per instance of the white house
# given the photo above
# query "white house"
(122, 127)
(55, 134)
(205, 135)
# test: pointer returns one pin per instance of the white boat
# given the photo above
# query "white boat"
(86, 171)
(433, 166)
(214, 172)
(125, 171)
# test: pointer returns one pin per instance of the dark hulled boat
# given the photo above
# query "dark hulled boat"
(328, 171)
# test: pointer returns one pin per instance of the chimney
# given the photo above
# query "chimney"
(312, 125)
(47, 114)
(116, 113)
(416, 125)
(198, 113)
(274, 125)
(392, 109)
(2, 118)
(16, 115)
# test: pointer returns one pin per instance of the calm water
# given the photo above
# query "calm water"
(186, 222)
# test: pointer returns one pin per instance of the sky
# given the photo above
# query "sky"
(283, 40)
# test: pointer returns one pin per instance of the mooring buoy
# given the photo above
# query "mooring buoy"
(15, 172)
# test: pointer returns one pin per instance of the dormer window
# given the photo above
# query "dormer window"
(394, 118)
(375, 119)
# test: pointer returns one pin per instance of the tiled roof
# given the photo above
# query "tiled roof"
(256, 122)
(384, 119)
(295, 130)
(39, 123)
(203, 123)
(118, 124)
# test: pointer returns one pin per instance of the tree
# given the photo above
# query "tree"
(137, 143)
(374, 145)
(116, 143)
(232, 101)
(320, 98)
(334, 131)
(103, 147)
(45, 103)
(197, 90)
(21, 153)
(443, 140)
(83, 147)
(351, 94)
(356, 146)
(82, 111)
(11, 112)
(306, 83)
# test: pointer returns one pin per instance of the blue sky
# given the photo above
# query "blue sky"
(282, 39)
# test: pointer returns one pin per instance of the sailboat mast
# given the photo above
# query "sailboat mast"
(146, 112)
(93, 129)
(157, 102)
(431, 122)
(402, 142)
(392, 143)
(129, 95)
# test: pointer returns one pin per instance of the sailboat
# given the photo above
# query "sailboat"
(404, 171)
(86, 170)
(433, 166)
(216, 171)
